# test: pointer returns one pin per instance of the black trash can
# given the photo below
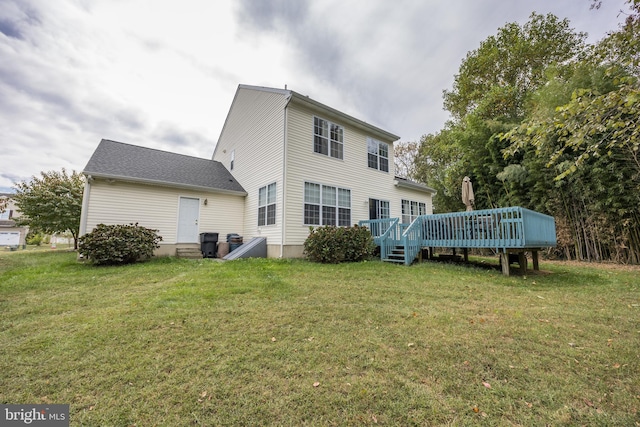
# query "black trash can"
(209, 244)
(234, 240)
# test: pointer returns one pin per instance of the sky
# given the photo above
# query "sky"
(162, 74)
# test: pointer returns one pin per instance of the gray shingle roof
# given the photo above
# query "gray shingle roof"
(118, 160)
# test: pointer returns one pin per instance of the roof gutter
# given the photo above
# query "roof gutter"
(402, 183)
(315, 105)
(165, 184)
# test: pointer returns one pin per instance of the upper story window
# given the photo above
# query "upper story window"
(326, 205)
(328, 138)
(411, 209)
(377, 155)
(267, 205)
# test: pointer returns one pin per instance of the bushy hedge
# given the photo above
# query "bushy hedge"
(330, 244)
(118, 244)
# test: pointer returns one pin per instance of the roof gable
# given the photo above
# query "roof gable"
(303, 100)
(117, 160)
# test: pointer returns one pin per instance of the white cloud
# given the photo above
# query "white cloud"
(163, 74)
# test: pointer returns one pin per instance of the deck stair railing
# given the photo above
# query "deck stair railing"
(385, 232)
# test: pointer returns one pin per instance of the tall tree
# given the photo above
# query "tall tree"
(586, 129)
(498, 77)
(404, 155)
(52, 202)
(492, 93)
(439, 163)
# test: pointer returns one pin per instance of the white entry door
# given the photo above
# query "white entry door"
(188, 214)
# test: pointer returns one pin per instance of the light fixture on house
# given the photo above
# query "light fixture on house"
(205, 202)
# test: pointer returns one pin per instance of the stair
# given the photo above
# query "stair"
(396, 255)
(190, 253)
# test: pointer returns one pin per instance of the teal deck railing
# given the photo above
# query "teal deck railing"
(386, 233)
(501, 229)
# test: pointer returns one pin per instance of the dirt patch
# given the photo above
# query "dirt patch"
(604, 265)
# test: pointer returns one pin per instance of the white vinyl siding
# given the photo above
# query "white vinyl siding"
(254, 133)
(352, 173)
(274, 138)
(157, 208)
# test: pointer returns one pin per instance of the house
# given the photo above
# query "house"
(283, 163)
(11, 235)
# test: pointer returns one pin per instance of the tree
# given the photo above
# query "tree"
(439, 163)
(52, 202)
(585, 128)
(498, 77)
(404, 155)
(4, 201)
(492, 93)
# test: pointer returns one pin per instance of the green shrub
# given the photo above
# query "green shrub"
(330, 244)
(118, 244)
(34, 239)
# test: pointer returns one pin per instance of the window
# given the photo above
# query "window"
(377, 155)
(411, 210)
(378, 209)
(267, 205)
(328, 138)
(326, 205)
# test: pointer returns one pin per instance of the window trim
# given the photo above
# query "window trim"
(338, 206)
(328, 139)
(421, 209)
(269, 201)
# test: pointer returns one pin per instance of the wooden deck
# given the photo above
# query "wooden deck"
(506, 230)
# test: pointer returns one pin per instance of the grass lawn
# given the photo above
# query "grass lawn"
(175, 342)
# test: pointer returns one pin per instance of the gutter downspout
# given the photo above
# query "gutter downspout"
(284, 182)
(85, 206)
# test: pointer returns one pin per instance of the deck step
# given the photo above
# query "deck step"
(190, 253)
(396, 255)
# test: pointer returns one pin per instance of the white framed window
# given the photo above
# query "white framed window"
(411, 210)
(328, 138)
(267, 205)
(326, 205)
(377, 155)
(379, 209)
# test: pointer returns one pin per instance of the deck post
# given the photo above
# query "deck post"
(504, 262)
(534, 256)
(522, 261)
(465, 252)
